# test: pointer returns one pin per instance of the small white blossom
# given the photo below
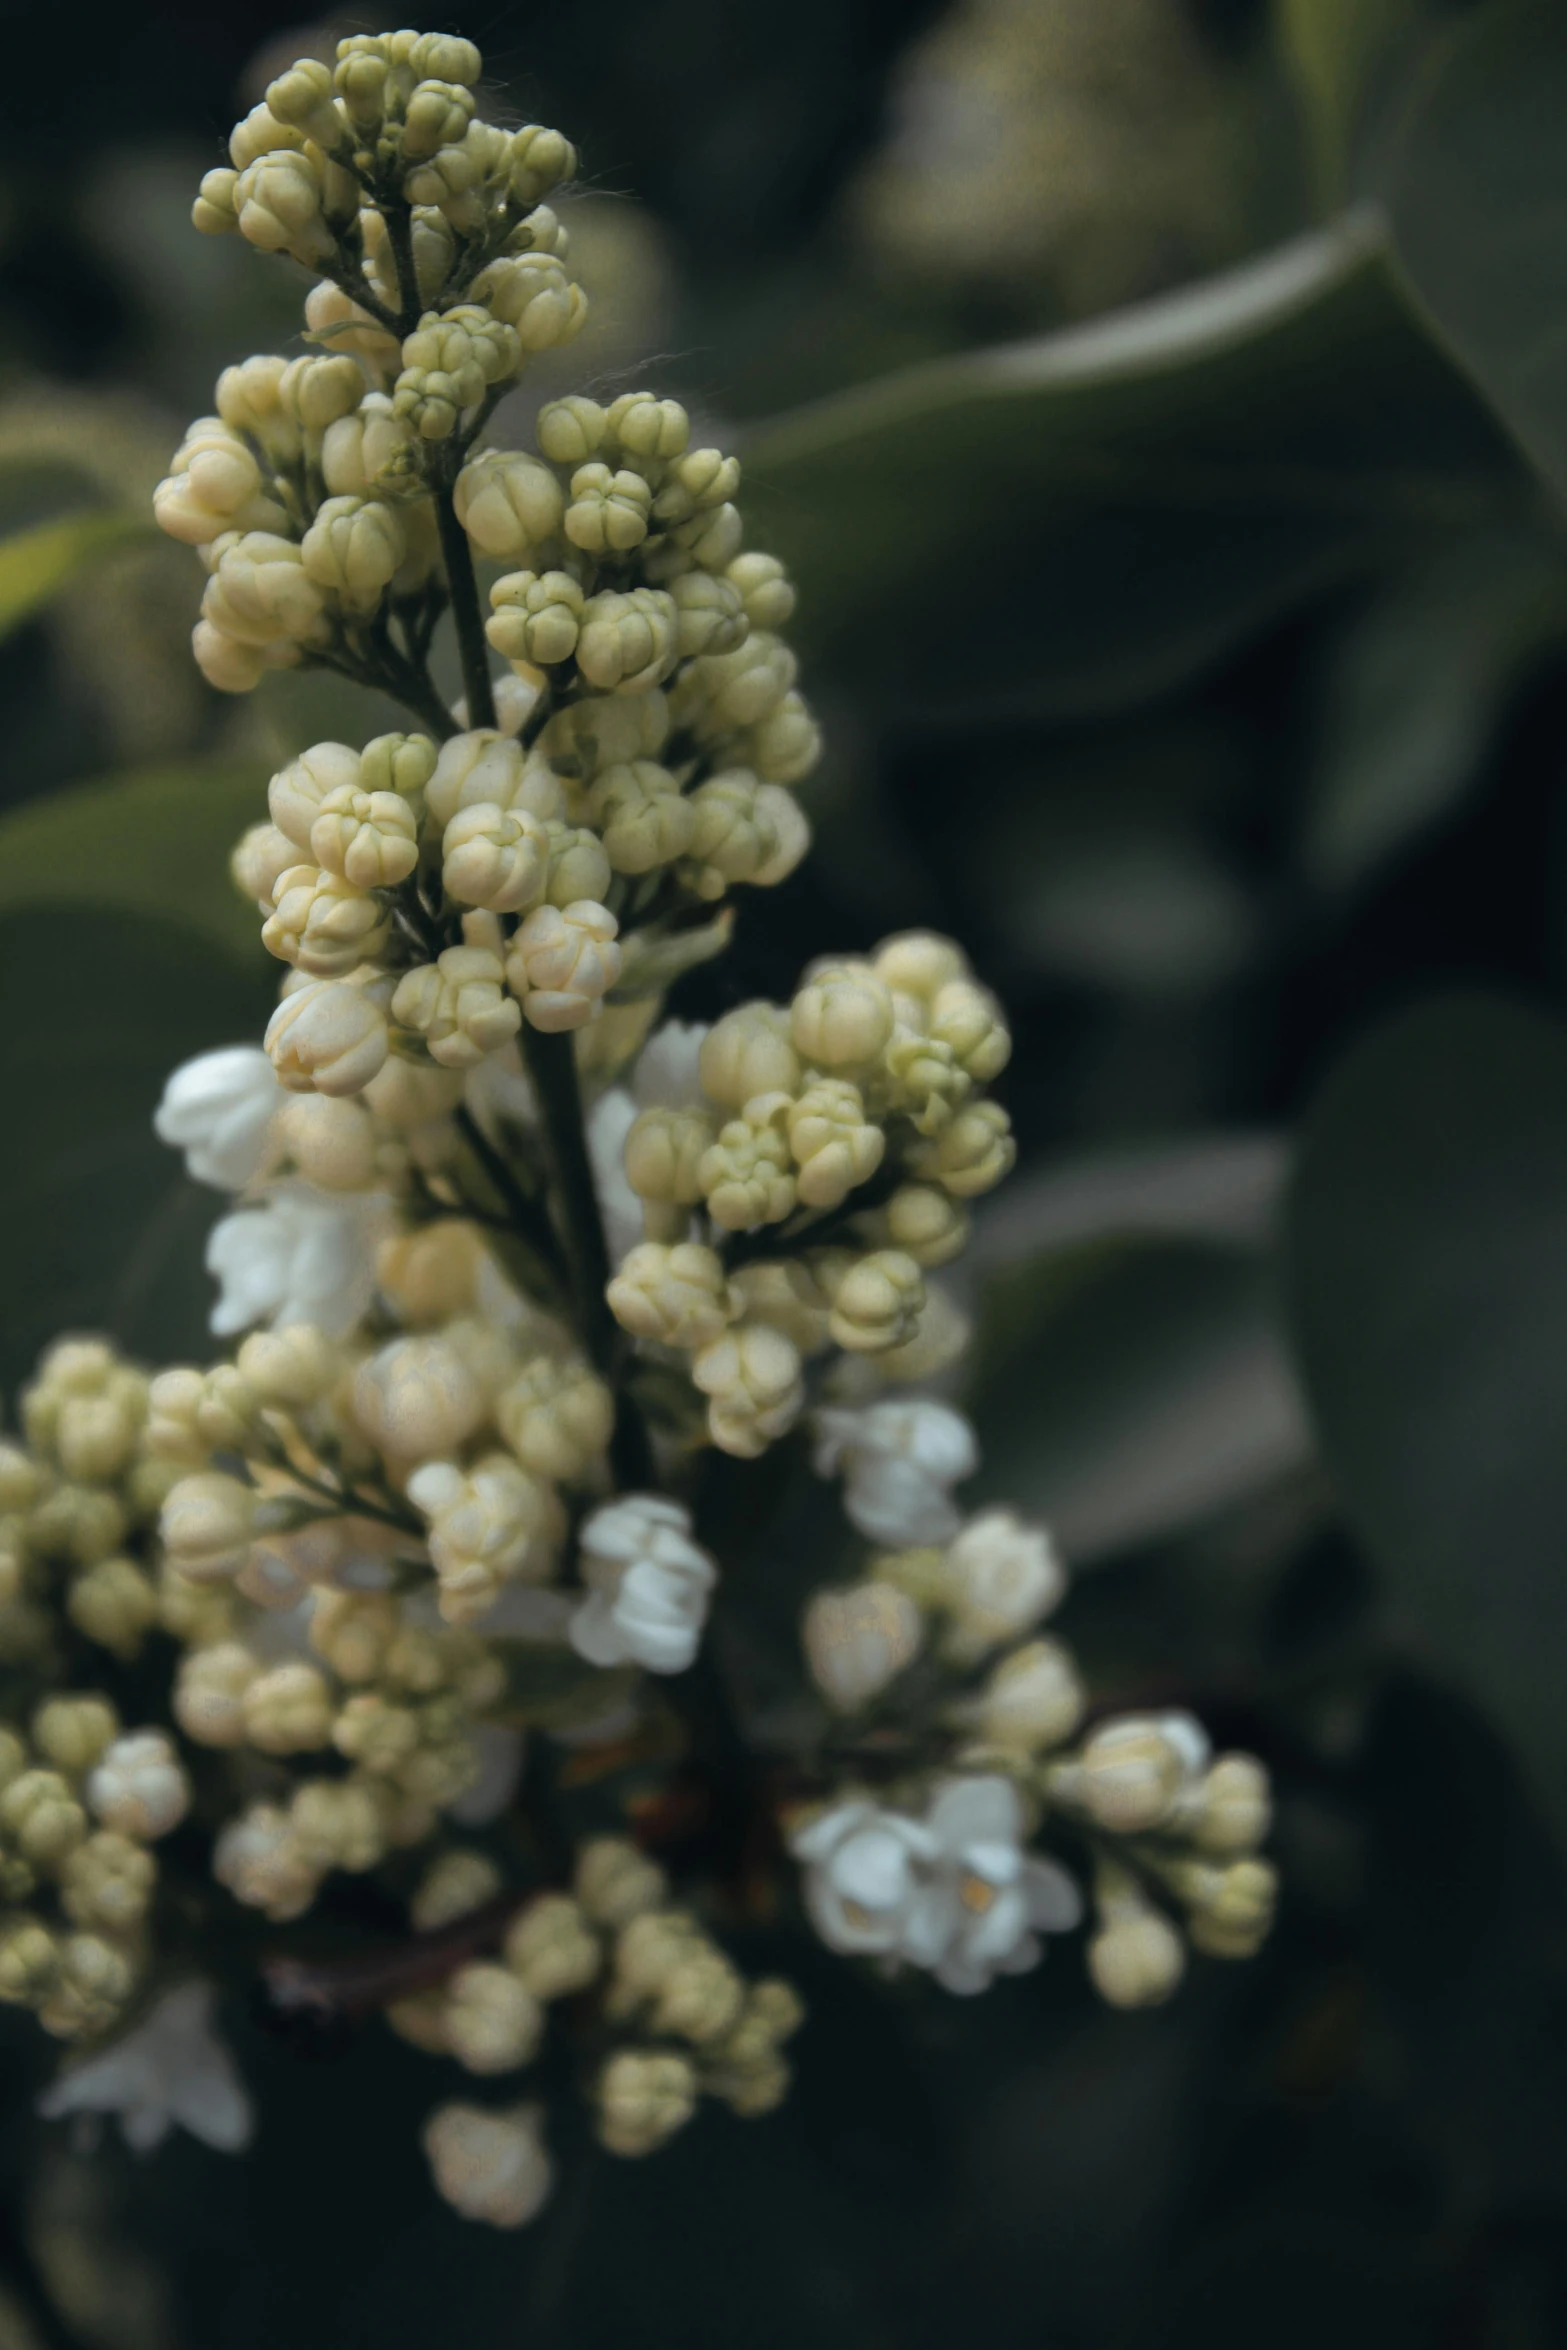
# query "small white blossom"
(302, 1256)
(218, 1110)
(952, 1892)
(490, 2166)
(899, 1460)
(139, 1786)
(648, 1585)
(173, 2069)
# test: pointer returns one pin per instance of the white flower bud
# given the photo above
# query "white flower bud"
(645, 820)
(328, 1037)
(353, 1631)
(213, 211)
(369, 451)
(332, 1143)
(608, 513)
(563, 961)
(207, 1524)
(833, 1143)
(488, 1526)
(535, 617)
(751, 1377)
(337, 1824)
(369, 837)
(489, 2166)
(710, 617)
(114, 1605)
(277, 203)
(745, 831)
(486, 769)
(139, 1787)
(648, 1586)
(644, 2097)
(968, 1020)
(261, 855)
(747, 1053)
(209, 1693)
(297, 794)
(1231, 1907)
(927, 1225)
(899, 1460)
(493, 2022)
(1133, 1771)
(876, 1302)
(417, 1399)
(533, 294)
(72, 1732)
(95, 1982)
(745, 1174)
(451, 1887)
(540, 161)
(615, 1882)
(579, 869)
(107, 1883)
(627, 642)
(262, 1862)
(508, 503)
(858, 1640)
(288, 1709)
(1136, 1958)
(764, 589)
(337, 322)
(315, 392)
(1002, 1578)
(218, 1109)
(1233, 1807)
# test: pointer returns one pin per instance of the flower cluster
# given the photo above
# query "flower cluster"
(415, 1583)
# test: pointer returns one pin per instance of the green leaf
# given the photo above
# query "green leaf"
(1477, 199)
(1418, 686)
(99, 1226)
(1131, 1387)
(1089, 516)
(1428, 1287)
(155, 841)
(36, 564)
(548, 1686)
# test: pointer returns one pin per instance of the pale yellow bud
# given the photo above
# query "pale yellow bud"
(563, 961)
(784, 746)
(764, 589)
(971, 1154)
(298, 792)
(207, 1526)
(261, 593)
(371, 452)
(876, 1302)
(315, 392)
(1233, 1807)
(459, 1005)
(571, 430)
(209, 1693)
(482, 769)
(747, 1053)
(487, 1526)
(96, 1435)
(535, 617)
(579, 869)
(262, 854)
(922, 1079)
(649, 427)
(609, 510)
(213, 211)
(1136, 1958)
(431, 1272)
(1231, 1908)
(551, 1949)
(302, 98)
(354, 1631)
(493, 2022)
(451, 1887)
(968, 1020)
(107, 1883)
(29, 1961)
(489, 2166)
(417, 1399)
(370, 838)
(644, 2097)
(557, 1417)
(751, 1377)
(42, 1817)
(664, 1151)
(322, 923)
(508, 503)
(95, 1981)
(264, 1865)
(72, 1732)
(540, 160)
(1034, 1699)
(833, 1143)
(114, 1605)
(337, 1824)
(615, 1882)
(857, 1641)
(533, 294)
(671, 1296)
(927, 1225)
(841, 1017)
(1002, 1577)
(248, 400)
(437, 115)
(1130, 1775)
(627, 642)
(745, 1174)
(193, 1612)
(79, 1522)
(709, 615)
(643, 817)
(379, 1736)
(495, 857)
(277, 204)
(328, 1037)
(337, 322)
(355, 547)
(332, 1143)
(226, 664)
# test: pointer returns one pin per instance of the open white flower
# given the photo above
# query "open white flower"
(648, 1586)
(952, 1892)
(218, 1110)
(172, 2070)
(899, 1460)
(668, 1071)
(302, 1256)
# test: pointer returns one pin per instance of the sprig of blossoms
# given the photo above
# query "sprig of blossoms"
(510, 1256)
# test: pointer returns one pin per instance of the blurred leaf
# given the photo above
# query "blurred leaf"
(1130, 1388)
(155, 841)
(1089, 516)
(1417, 687)
(1221, 1187)
(102, 1229)
(1428, 1280)
(1337, 52)
(36, 564)
(1477, 201)
(549, 1685)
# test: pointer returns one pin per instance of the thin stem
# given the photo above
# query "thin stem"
(400, 236)
(526, 1217)
(358, 289)
(552, 1064)
(463, 588)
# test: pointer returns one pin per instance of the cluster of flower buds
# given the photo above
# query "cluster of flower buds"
(681, 2018)
(509, 1256)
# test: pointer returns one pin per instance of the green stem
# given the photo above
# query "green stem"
(526, 1218)
(552, 1065)
(400, 235)
(463, 588)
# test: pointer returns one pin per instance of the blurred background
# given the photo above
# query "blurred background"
(1163, 407)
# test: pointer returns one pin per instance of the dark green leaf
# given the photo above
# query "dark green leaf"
(1428, 1281)
(102, 1229)
(155, 841)
(1091, 515)
(38, 563)
(1477, 199)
